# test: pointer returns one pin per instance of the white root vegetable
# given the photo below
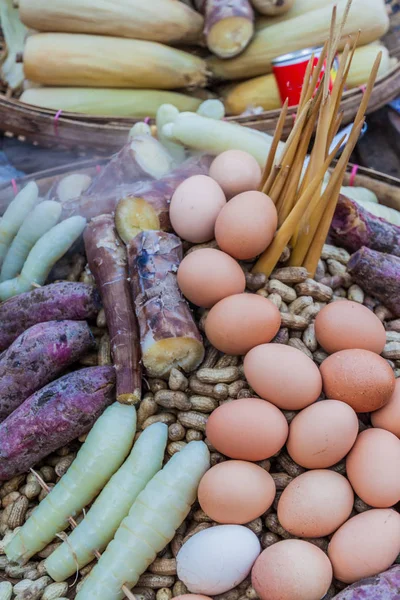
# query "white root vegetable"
(151, 524)
(212, 108)
(43, 217)
(272, 8)
(43, 256)
(15, 215)
(103, 452)
(140, 128)
(167, 113)
(98, 527)
(72, 186)
(357, 193)
(214, 137)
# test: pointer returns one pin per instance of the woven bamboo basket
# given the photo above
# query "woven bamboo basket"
(103, 135)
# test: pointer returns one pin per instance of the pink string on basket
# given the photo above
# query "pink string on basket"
(57, 116)
(353, 175)
(98, 169)
(363, 88)
(14, 186)
(146, 120)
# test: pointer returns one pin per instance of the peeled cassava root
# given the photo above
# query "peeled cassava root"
(299, 7)
(159, 20)
(107, 102)
(168, 334)
(369, 16)
(102, 61)
(228, 27)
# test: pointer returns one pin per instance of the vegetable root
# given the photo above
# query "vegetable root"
(54, 302)
(354, 226)
(273, 8)
(103, 452)
(153, 196)
(379, 275)
(151, 524)
(168, 334)
(43, 256)
(384, 586)
(37, 356)
(52, 417)
(108, 263)
(43, 217)
(167, 113)
(15, 215)
(98, 527)
(228, 27)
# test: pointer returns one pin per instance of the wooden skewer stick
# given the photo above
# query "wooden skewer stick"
(272, 152)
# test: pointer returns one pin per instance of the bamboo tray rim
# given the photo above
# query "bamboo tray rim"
(115, 122)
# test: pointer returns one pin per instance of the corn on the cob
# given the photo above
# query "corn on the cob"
(369, 16)
(108, 102)
(263, 91)
(103, 61)
(157, 20)
(273, 8)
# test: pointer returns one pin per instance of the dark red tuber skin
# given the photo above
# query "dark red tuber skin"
(55, 302)
(52, 417)
(158, 192)
(37, 356)
(106, 255)
(385, 586)
(379, 275)
(353, 227)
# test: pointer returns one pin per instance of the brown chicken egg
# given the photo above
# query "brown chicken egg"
(361, 378)
(247, 429)
(246, 226)
(388, 417)
(236, 492)
(236, 172)
(315, 504)
(238, 323)
(195, 206)
(283, 375)
(322, 434)
(292, 569)
(373, 468)
(205, 276)
(345, 325)
(365, 545)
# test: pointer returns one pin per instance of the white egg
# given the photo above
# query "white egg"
(216, 560)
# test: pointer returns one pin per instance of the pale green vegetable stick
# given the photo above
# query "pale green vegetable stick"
(167, 113)
(212, 108)
(15, 215)
(103, 452)
(140, 128)
(43, 256)
(42, 218)
(211, 136)
(98, 527)
(151, 524)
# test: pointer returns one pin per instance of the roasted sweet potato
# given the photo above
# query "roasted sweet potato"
(37, 356)
(52, 417)
(385, 586)
(54, 302)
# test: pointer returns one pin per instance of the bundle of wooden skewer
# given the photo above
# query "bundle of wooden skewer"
(305, 205)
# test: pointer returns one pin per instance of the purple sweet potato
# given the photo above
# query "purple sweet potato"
(54, 302)
(385, 586)
(37, 356)
(353, 227)
(52, 417)
(379, 276)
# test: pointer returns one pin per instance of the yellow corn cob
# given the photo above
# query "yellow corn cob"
(69, 59)
(156, 20)
(310, 29)
(108, 102)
